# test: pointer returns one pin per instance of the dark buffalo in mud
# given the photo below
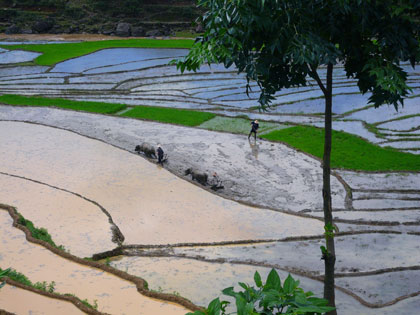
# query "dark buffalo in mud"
(197, 176)
(147, 149)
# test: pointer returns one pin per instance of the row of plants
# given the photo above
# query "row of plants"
(350, 151)
(42, 286)
(38, 233)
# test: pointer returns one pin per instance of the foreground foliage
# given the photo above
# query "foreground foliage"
(348, 151)
(269, 298)
(93, 107)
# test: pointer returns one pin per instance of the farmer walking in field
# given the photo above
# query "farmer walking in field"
(254, 127)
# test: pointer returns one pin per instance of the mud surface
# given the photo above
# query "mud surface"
(265, 174)
(11, 298)
(160, 210)
(113, 295)
(132, 177)
(201, 242)
(73, 222)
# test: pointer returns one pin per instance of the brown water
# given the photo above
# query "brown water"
(149, 204)
(11, 299)
(80, 226)
(113, 295)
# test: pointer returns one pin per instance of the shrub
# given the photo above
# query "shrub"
(269, 298)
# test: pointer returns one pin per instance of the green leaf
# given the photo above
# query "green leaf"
(249, 309)
(240, 305)
(290, 285)
(301, 299)
(4, 272)
(273, 281)
(243, 285)
(229, 292)
(214, 307)
(257, 279)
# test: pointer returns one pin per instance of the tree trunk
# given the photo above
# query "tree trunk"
(329, 257)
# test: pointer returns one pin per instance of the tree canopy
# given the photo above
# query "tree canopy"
(280, 43)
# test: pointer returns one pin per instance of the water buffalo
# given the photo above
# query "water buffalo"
(197, 176)
(147, 149)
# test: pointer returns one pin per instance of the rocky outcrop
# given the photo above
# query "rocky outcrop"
(154, 33)
(123, 30)
(138, 31)
(42, 26)
(13, 29)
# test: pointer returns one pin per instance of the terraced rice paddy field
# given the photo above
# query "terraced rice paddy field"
(75, 173)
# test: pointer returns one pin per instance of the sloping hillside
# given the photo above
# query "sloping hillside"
(161, 17)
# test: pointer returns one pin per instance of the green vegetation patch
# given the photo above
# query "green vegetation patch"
(43, 286)
(21, 278)
(94, 107)
(348, 151)
(54, 53)
(170, 115)
(237, 125)
(38, 233)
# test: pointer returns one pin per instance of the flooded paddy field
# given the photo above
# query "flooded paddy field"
(76, 175)
(139, 76)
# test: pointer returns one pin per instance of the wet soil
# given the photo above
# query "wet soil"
(120, 178)
(73, 222)
(160, 210)
(11, 299)
(91, 180)
(113, 294)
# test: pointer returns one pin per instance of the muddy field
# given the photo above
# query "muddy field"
(77, 175)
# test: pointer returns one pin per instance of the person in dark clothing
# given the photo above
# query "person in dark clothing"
(254, 128)
(215, 182)
(160, 154)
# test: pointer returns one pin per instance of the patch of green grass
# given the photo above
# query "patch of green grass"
(54, 53)
(44, 286)
(348, 151)
(38, 233)
(94, 107)
(169, 115)
(21, 278)
(237, 125)
(17, 276)
(186, 34)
